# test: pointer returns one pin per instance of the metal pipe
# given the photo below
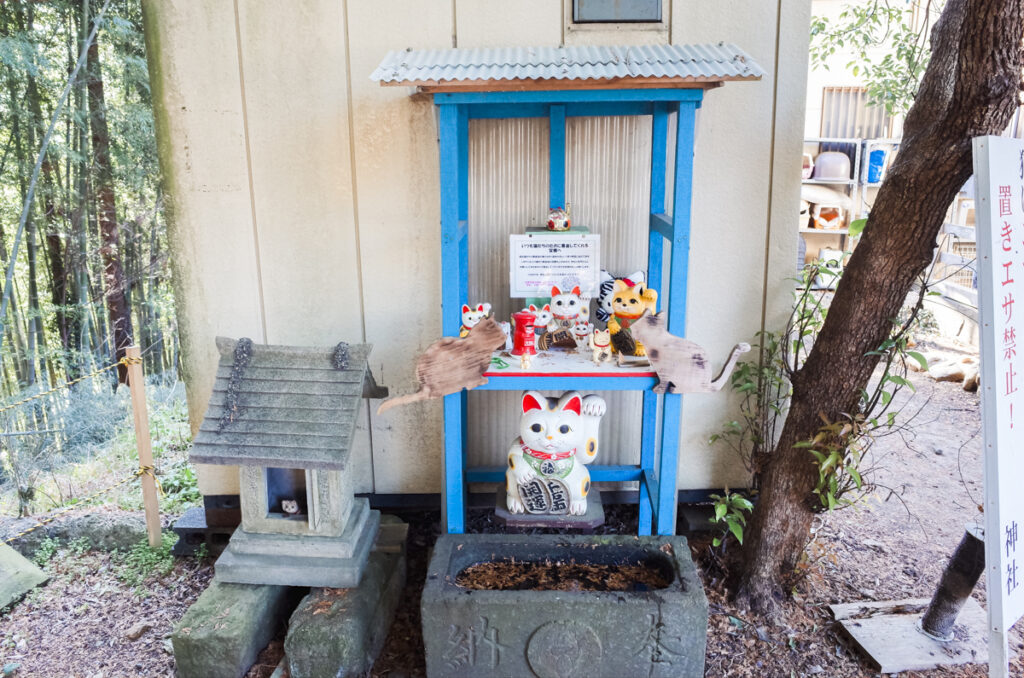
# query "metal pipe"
(958, 580)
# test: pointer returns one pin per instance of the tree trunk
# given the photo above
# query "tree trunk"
(970, 89)
(113, 274)
(80, 217)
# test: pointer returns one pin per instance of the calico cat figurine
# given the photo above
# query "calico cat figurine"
(629, 302)
(547, 470)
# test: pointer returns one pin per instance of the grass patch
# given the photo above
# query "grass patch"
(142, 562)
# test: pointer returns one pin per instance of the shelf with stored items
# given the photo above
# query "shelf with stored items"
(667, 265)
(830, 185)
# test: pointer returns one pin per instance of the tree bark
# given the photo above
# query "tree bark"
(970, 88)
(113, 273)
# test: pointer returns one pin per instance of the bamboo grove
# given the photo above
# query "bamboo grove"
(91, 271)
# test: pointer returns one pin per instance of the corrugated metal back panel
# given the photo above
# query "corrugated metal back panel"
(608, 185)
(700, 63)
(845, 113)
(508, 191)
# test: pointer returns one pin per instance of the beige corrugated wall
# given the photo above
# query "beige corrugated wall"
(305, 203)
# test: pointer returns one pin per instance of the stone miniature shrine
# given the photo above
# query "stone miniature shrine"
(286, 416)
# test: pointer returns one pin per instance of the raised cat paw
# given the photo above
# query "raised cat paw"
(594, 406)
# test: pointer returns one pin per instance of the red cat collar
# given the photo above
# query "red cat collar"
(550, 456)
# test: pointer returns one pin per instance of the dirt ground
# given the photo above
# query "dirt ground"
(892, 546)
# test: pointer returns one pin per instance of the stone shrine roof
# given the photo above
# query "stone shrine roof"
(288, 407)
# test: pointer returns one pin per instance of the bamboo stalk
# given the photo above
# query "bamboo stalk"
(137, 385)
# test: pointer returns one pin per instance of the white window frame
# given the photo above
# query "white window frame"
(661, 27)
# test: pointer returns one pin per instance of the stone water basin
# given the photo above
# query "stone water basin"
(484, 616)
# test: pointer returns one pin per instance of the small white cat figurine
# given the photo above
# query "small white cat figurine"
(581, 333)
(547, 470)
(290, 506)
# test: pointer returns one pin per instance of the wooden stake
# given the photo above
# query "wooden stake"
(137, 384)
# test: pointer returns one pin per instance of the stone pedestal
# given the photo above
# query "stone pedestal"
(302, 559)
(593, 518)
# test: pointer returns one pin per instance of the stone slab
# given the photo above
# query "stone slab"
(18, 576)
(225, 629)
(887, 632)
(312, 562)
(594, 517)
(570, 634)
(340, 632)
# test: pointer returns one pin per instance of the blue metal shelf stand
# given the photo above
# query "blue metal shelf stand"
(655, 472)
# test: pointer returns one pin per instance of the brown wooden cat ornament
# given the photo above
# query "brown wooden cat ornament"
(682, 365)
(452, 364)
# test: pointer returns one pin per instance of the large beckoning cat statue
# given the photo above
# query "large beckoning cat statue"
(547, 470)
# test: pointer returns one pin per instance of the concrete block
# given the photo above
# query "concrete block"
(18, 576)
(340, 632)
(224, 630)
(192, 530)
(481, 633)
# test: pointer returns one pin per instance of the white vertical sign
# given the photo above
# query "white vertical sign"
(999, 174)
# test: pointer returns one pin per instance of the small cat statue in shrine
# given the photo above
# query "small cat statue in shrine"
(601, 346)
(547, 470)
(629, 303)
(471, 316)
(291, 507)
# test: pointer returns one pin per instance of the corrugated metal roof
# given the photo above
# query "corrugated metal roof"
(697, 63)
(293, 408)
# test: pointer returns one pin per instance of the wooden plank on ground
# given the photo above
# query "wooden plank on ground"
(887, 633)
